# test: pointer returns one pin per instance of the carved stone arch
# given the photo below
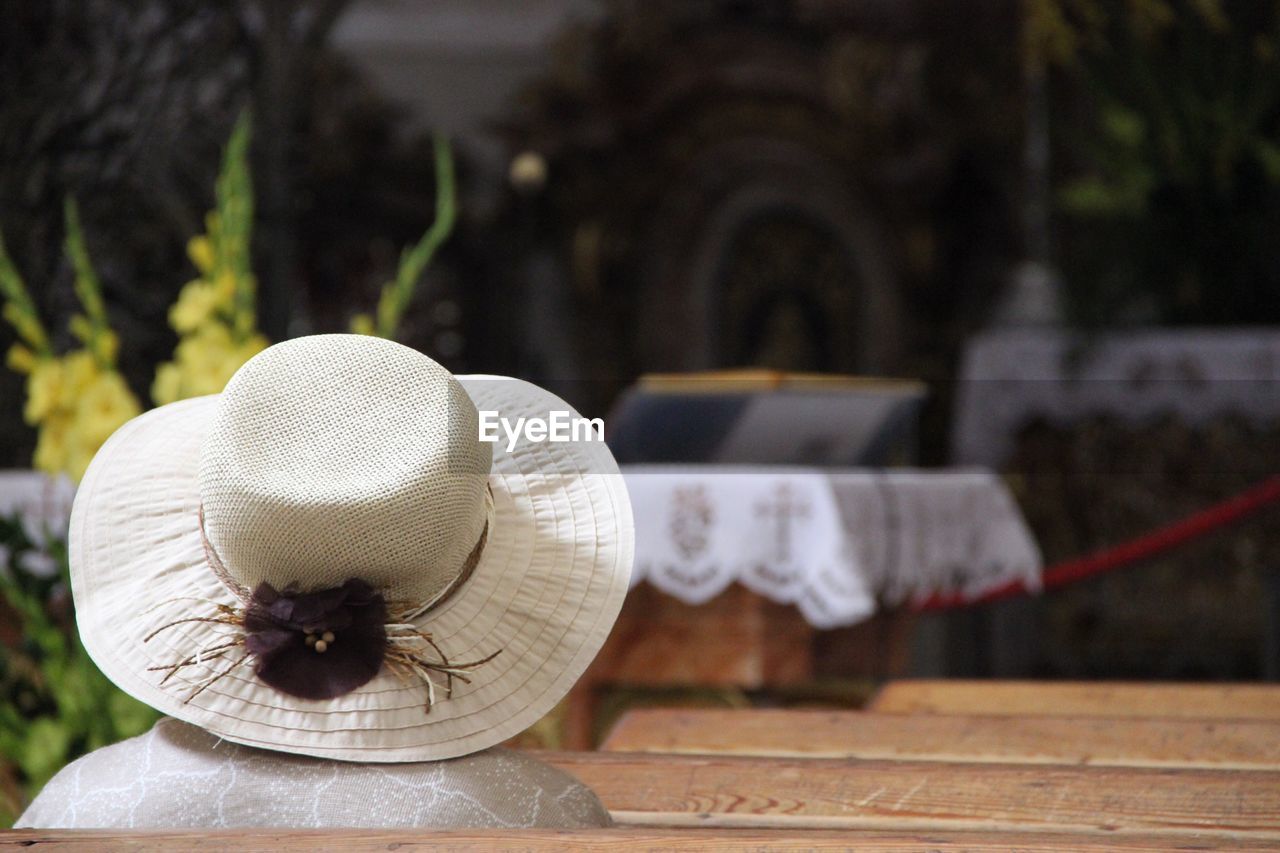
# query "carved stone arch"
(684, 321)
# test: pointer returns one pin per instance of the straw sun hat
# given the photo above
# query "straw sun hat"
(326, 559)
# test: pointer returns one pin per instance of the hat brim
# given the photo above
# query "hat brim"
(546, 591)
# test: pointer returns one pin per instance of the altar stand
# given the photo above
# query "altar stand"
(743, 574)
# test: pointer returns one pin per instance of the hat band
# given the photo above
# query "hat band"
(409, 610)
(468, 565)
(288, 633)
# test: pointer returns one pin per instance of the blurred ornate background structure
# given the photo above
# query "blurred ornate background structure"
(829, 186)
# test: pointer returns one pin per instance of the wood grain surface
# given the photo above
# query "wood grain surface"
(1080, 699)
(1221, 744)
(624, 839)
(730, 791)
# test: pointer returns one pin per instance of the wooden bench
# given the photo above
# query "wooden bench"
(1125, 742)
(1117, 762)
(789, 798)
(305, 841)
(1037, 767)
(920, 796)
(1080, 699)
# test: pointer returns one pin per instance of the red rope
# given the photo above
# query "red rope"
(1135, 550)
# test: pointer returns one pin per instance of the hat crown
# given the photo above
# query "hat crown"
(339, 456)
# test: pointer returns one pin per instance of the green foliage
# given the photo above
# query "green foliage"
(215, 314)
(1172, 214)
(55, 705)
(234, 192)
(397, 294)
(92, 328)
(20, 310)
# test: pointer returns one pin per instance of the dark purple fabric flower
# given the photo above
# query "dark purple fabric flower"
(317, 645)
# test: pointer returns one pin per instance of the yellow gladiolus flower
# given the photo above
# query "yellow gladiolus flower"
(44, 390)
(250, 347)
(200, 251)
(81, 328)
(168, 384)
(102, 408)
(51, 445)
(79, 372)
(224, 289)
(205, 360)
(196, 303)
(214, 315)
(203, 341)
(108, 346)
(207, 377)
(20, 359)
(362, 324)
(77, 460)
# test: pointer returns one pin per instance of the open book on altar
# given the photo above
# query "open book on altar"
(766, 417)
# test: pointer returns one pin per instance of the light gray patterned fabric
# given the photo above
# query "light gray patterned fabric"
(177, 775)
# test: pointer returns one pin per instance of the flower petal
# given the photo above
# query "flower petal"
(277, 624)
(351, 661)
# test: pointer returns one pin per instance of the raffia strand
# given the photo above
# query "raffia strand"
(406, 653)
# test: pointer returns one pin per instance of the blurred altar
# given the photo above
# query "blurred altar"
(886, 306)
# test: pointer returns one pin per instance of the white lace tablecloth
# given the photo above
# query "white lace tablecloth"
(834, 542)
(1012, 376)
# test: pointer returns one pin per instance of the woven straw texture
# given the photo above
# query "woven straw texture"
(545, 591)
(335, 456)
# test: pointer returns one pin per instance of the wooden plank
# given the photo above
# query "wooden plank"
(1080, 699)
(687, 790)
(1221, 744)
(625, 839)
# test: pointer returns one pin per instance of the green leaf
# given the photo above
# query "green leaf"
(46, 749)
(1123, 126)
(19, 308)
(87, 287)
(130, 717)
(1268, 154)
(397, 294)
